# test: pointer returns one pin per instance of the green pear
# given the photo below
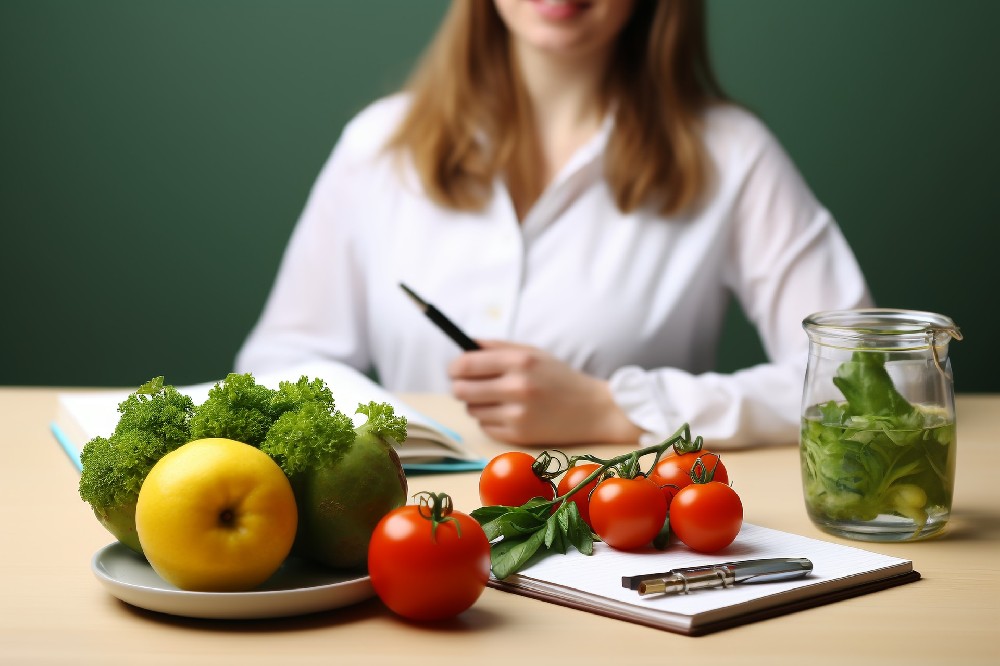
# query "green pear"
(341, 502)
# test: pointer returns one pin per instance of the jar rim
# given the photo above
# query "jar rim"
(882, 322)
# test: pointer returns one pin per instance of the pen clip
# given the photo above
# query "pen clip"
(769, 570)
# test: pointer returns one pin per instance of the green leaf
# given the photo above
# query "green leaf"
(513, 523)
(487, 517)
(868, 387)
(562, 516)
(555, 538)
(517, 523)
(538, 506)
(510, 555)
(578, 531)
(485, 514)
(559, 524)
(831, 413)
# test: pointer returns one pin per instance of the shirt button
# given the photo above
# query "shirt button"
(494, 312)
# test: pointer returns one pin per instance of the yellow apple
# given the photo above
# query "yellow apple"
(216, 515)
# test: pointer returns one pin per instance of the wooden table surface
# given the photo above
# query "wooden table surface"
(53, 610)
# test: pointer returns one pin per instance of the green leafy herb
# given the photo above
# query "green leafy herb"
(875, 453)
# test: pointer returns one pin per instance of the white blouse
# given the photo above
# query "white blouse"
(638, 298)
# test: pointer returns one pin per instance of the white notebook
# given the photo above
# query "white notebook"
(429, 446)
(594, 583)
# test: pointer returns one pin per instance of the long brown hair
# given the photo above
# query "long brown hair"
(469, 119)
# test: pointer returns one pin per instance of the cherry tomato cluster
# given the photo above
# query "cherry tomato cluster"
(674, 471)
(629, 509)
(705, 512)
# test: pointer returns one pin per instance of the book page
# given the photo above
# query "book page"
(85, 415)
(426, 438)
(574, 576)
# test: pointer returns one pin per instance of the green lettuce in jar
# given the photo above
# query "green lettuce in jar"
(875, 453)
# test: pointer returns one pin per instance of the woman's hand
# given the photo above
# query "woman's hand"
(523, 395)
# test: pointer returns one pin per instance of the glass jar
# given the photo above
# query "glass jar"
(877, 444)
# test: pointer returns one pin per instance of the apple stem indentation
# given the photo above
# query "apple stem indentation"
(227, 518)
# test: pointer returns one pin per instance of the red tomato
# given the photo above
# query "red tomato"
(627, 513)
(571, 479)
(423, 575)
(674, 472)
(509, 480)
(706, 516)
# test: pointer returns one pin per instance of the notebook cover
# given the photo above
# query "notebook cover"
(701, 629)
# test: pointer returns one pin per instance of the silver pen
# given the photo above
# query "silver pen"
(725, 574)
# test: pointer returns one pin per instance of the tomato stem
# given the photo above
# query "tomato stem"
(543, 465)
(437, 508)
(686, 445)
(700, 473)
(545, 470)
(627, 464)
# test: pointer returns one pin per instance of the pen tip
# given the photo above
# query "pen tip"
(416, 299)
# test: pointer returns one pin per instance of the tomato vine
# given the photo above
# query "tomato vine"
(541, 527)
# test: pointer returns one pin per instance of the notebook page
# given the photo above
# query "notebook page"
(601, 573)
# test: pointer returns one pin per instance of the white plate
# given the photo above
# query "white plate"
(296, 588)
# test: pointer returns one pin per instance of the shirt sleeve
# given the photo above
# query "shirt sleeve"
(787, 259)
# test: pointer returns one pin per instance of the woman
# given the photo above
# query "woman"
(566, 181)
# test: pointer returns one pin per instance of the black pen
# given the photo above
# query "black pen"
(442, 322)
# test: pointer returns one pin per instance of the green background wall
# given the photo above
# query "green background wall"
(154, 155)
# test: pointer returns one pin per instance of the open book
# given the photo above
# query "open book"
(429, 446)
(594, 583)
